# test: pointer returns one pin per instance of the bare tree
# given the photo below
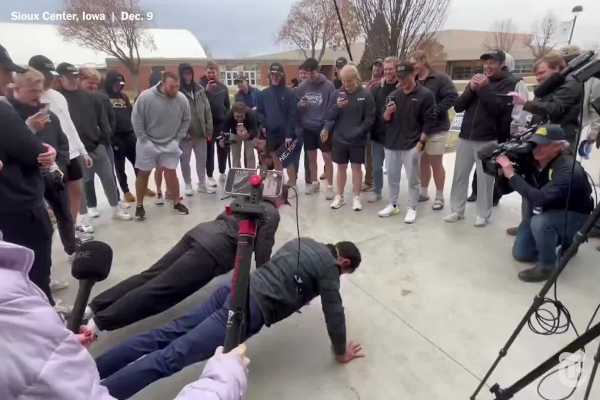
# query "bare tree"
(119, 37)
(408, 23)
(313, 26)
(503, 36)
(542, 41)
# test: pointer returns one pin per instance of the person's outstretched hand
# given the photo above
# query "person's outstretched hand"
(86, 336)
(353, 351)
(239, 354)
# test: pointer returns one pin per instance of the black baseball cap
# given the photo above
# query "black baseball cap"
(548, 134)
(497, 55)
(310, 64)
(341, 62)
(43, 64)
(7, 62)
(276, 68)
(404, 69)
(67, 69)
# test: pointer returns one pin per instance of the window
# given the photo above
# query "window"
(229, 77)
(523, 66)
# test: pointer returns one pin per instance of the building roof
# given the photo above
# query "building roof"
(25, 40)
(459, 45)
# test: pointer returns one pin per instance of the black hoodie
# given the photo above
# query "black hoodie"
(120, 103)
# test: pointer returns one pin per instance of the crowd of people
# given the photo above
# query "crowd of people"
(63, 125)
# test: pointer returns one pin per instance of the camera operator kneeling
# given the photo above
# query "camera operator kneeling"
(546, 196)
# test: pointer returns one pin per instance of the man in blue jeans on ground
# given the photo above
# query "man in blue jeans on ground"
(277, 290)
(546, 194)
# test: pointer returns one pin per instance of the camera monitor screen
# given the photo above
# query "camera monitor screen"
(238, 182)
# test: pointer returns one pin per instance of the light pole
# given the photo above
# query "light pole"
(576, 11)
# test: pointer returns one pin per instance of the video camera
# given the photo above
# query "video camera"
(518, 150)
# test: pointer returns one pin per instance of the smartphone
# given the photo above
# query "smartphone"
(45, 108)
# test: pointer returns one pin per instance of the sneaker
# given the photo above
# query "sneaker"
(84, 237)
(322, 177)
(423, 198)
(535, 274)
(453, 217)
(472, 198)
(56, 285)
(438, 205)
(210, 181)
(480, 222)
(373, 197)
(159, 201)
(121, 214)
(181, 209)
(356, 204)
(338, 202)
(93, 212)
(411, 216)
(150, 193)
(203, 188)
(222, 178)
(312, 188)
(512, 231)
(140, 213)
(188, 190)
(129, 198)
(366, 188)
(329, 194)
(389, 211)
(84, 227)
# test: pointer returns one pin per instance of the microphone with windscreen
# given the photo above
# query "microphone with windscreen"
(92, 264)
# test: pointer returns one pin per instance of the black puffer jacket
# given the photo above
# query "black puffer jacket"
(561, 106)
(120, 103)
(485, 111)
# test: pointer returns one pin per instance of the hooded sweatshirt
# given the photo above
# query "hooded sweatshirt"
(41, 359)
(159, 118)
(201, 125)
(277, 110)
(120, 103)
(320, 95)
(219, 103)
(89, 118)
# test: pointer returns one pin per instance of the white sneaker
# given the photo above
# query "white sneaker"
(480, 222)
(56, 285)
(329, 194)
(312, 188)
(203, 188)
(373, 197)
(211, 182)
(222, 178)
(338, 202)
(453, 217)
(159, 200)
(292, 192)
(188, 190)
(389, 211)
(411, 216)
(93, 212)
(124, 205)
(84, 224)
(121, 214)
(356, 204)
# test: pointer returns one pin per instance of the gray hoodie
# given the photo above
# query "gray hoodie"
(320, 96)
(159, 118)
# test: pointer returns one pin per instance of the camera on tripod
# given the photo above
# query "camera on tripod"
(240, 182)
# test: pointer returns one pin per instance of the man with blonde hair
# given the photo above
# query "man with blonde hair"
(349, 121)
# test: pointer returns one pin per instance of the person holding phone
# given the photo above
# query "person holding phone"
(242, 125)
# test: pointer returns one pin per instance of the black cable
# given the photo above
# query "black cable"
(296, 276)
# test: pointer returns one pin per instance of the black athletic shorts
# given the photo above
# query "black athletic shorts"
(312, 141)
(74, 170)
(342, 154)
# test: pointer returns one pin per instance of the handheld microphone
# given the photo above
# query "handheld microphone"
(92, 264)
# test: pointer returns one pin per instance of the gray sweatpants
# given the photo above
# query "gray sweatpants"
(200, 152)
(466, 156)
(102, 166)
(395, 160)
(248, 154)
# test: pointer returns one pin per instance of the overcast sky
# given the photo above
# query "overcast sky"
(237, 28)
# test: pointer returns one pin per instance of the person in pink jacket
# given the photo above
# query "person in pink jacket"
(41, 359)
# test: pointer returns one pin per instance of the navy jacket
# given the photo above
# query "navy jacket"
(276, 108)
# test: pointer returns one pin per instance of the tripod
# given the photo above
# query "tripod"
(250, 210)
(503, 394)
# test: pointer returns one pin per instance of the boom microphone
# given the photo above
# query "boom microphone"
(92, 264)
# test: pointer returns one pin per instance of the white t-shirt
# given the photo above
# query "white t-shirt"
(59, 106)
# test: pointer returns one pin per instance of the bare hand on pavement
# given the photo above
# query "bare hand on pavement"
(353, 351)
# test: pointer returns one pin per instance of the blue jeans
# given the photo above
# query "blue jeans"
(378, 155)
(167, 350)
(539, 235)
